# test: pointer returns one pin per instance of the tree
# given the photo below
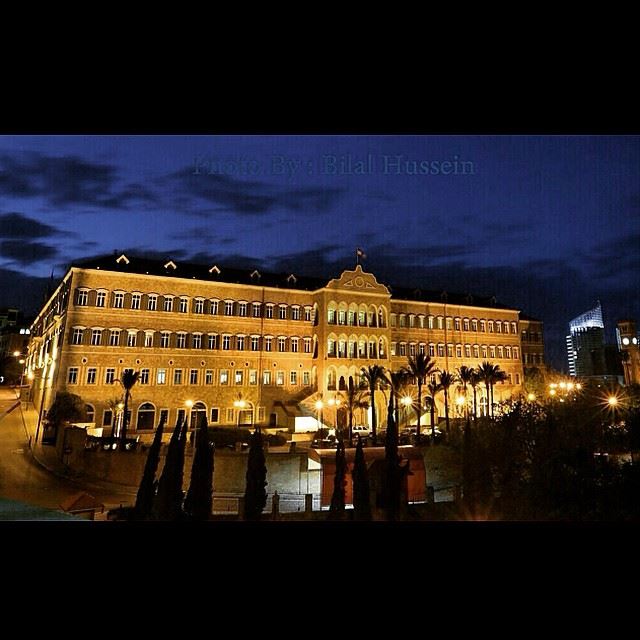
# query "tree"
(419, 367)
(255, 495)
(128, 380)
(373, 375)
(465, 374)
(336, 510)
(354, 399)
(168, 502)
(361, 497)
(446, 380)
(393, 471)
(199, 501)
(433, 388)
(486, 371)
(398, 380)
(147, 489)
(67, 407)
(474, 381)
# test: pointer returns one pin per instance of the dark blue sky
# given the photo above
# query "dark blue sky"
(547, 224)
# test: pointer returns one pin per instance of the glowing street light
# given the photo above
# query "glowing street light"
(531, 397)
(319, 407)
(16, 354)
(552, 392)
(612, 400)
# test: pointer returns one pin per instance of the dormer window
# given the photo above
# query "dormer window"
(171, 265)
(122, 259)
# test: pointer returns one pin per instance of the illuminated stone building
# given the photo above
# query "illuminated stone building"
(532, 340)
(245, 347)
(627, 338)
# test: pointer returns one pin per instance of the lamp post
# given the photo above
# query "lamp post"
(406, 402)
(44, 384)
(239, 404)
(335, 402)
(460, 401)
(189, 405)
(319, 406)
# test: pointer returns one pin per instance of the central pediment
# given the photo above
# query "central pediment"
(358, 280)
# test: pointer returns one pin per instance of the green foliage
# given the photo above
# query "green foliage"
(128, 380)
(373, 375)
(67, 407)
(199, 501)
(392, 488)
(420, 367)
(255, 495)
(361, 497)
(168, 500)
(146, 491)
(336, 510)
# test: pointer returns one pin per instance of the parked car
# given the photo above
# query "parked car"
(361, 430)
(324, 443)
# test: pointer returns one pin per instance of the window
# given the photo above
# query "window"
(430, 322)
(240, 343)
(152, 302)
(282, 343)
(331, 316)
(268, 344)
(242, 309)
(165, 336)
(492, 351)
(213, 340)
(484, 350)
(465, 324)
(253, 377)
(168, 303)
(196, 341)
(517, 378)
(476, 351)
(307, 314)
(280, 377)
(215, 414)
(255, 343)
(498, 326)
(269, 313)
(307, 345)
(83, 298)
(181, 340)
(213, 307)
(293, 378)
(483, 326)
(506, 327)
(403, 320)
(440, 320)
(107, 417)
(193, 376)
(96, 336)
(101, 298)
(457, 324)
(72, 375)
(331, 347)
(507, 352)
(295, 313)
(500, 352)
(148, 338)
(114, 337)
(198, 305)
(181, 415)
(467, 350)
(228, 308)
(184, 305)
(393, 348)
(161, 376)
(226, 343)
(177, 376)
(432, 350)
(230, 415)
(164, 415)
(421, 348)
(118, 300)
(516, 353)
(458, 351)
(109, 376)
(441, 350)
(255, 309)
(412, 349)
(306, 378)
(403, 348)
(91, 375)
(76, 336)
(342, 317)
(294, 344)
(144, 376)
(514, 327)
(450, 351)
(266, 377)
(412, 320)
(208, 376)
(224, 376)
(239, 377)
(131, 338)
(490, 326)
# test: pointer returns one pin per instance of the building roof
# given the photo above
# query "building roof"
(221, 273)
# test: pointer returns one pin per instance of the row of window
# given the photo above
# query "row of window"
(531, 336)
(179, 340)
(456, 324)
(355, 318)
(155, 302)
(484, 351)
(161, 376)
(356, 349)
(533, 358)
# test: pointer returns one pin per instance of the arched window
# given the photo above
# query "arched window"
(331, 379)
(90, 412)
(197, 411)
(146, 417)
(342, 385)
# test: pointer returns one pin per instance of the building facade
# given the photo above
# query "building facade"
(244, 347)
(585, 344)
(629, 348)
(532, 340)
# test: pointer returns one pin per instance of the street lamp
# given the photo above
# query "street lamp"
(189, 405)
(406, 402)
(319, 406)
(239, 404)
(335, 402)
(531, 397)
(460, 400)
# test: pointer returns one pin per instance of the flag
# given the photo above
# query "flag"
(360, 253)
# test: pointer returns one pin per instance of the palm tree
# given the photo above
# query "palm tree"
(490, 374)
(373, 376)
(446, 380)
(115, 404)
(498, 376)
(474, 381)
(464, 376)
(433, 388)
(398, 381)
(353, 399)
(128, 380)
(419, 367)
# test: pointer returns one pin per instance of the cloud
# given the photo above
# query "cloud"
(25, 253)
(16, 225)
(250, 197)
(617, 260)
(67, 180)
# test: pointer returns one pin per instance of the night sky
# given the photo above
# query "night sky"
(546, 224)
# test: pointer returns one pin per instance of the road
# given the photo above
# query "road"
(21, 476)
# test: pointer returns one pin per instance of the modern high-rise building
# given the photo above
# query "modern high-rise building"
(585, 344)
(246, 347)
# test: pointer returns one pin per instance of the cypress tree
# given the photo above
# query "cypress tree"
(168, 502)
(468, 475)
(199, 500)
(147, 489)
(394, 473)
(361, 498)
(336, 510)
(255, 495)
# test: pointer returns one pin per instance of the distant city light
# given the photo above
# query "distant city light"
(16, 353)
(531, 397)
